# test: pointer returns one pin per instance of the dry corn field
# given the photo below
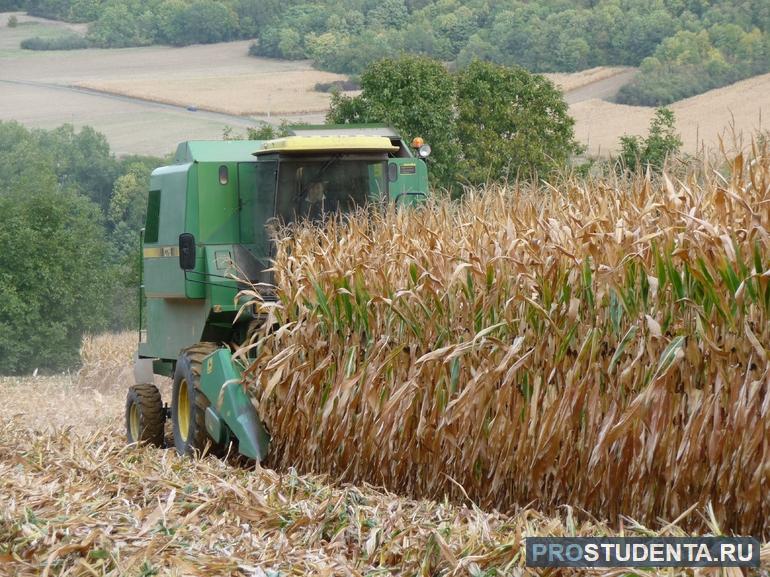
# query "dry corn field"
(585, 359)
(107, 359)
(602, 344)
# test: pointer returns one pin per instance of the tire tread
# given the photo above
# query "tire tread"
(147, 397)
(195, 355)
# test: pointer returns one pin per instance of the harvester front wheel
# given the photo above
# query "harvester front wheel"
(145, 416)
(189, 404)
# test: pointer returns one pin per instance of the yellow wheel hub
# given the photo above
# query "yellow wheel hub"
(133, 422)
(183, 410)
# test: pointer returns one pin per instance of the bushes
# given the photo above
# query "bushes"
(337, 86)
(68, 10)
(179, 23)
(69, 42)
(651, 152)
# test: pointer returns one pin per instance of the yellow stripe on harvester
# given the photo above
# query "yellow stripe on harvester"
(160, 251)
(328, 143)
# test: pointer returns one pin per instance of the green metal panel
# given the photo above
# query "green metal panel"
(247, 198)
(217, 203)
(411, 178)
(173, 325)
(221, 383)
(172, 181)
(191, 210)
(194, 288)
(162, 275)
(221, 291)
(217, 151)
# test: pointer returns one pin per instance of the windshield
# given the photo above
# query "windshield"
(309, 188)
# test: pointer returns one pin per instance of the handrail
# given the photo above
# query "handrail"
(400, 194)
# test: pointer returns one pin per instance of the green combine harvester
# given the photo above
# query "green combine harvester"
(209, 219)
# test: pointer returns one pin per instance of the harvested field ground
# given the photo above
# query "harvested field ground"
(568, 82)
(700, 120)
(264, 93)
(74, 500)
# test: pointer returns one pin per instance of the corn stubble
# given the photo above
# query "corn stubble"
(106, 359)
(602, 344)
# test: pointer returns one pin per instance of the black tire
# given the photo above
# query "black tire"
(189, 404)
(145, 416)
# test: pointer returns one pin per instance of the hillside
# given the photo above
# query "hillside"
(140, 97)
(153, 87)
(701, 120)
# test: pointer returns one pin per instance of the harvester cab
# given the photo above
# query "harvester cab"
(209, 233)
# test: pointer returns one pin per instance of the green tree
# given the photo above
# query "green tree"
(511, 123)
(53, 273)
(661, 143)
(82, 161)
(205, 21)
(387, 14)
(84, 10)
(117, 27)
(290, 44)
(67, 265)
(56, 9)
(267, 131)
(488, 122)
(415, 95)
(11, 5)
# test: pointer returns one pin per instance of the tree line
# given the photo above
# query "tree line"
(683, 46)
(68, 242)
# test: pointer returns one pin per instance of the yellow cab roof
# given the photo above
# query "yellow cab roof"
(336, 143)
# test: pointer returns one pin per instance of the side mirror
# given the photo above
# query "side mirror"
(187, 251)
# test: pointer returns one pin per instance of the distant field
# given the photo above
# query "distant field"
(36, 88)
(139, 97)
(568, 81)
(260, 93)
(700, 120)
